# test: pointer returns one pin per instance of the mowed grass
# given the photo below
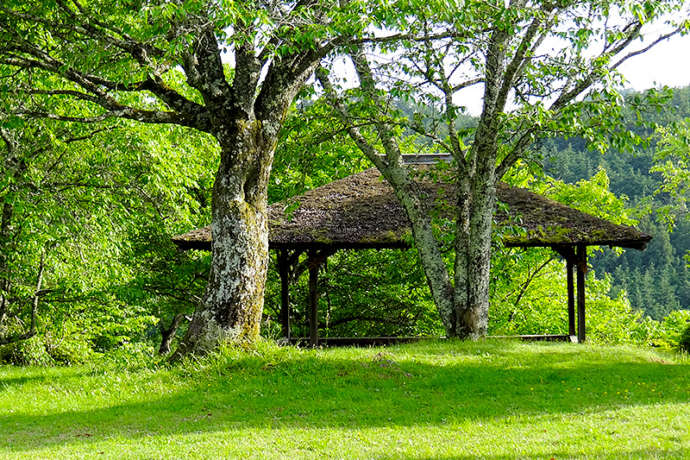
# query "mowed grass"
(487, 399)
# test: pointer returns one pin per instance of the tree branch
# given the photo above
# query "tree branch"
(646, 48)
(368, 149)
(204, 69)
(529, 280)
(567, 96)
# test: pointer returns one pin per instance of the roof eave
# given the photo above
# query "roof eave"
(639, 244)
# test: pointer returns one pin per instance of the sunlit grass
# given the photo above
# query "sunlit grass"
(493, 399)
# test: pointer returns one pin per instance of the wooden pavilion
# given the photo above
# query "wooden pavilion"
(361, 212)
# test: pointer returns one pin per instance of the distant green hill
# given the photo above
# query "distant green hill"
(657, 280)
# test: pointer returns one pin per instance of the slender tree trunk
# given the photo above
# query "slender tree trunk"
(168, 334)
(427, 246)
(234, 297)
(33, 328)
(34, 303)
(462, 264)
(5, 219)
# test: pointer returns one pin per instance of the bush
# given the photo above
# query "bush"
(670, 330)
(69, 352)
(44, 348)
(29, 352)
(684, 342)
(137, 355)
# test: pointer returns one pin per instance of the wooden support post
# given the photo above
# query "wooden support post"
(570, 257)
(284, 271)
(571, 296)
(581, 271)
(313, 299)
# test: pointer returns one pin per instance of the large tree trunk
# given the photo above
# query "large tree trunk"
(476, 205)
(476, 310)
(234, 297)
(247, 131)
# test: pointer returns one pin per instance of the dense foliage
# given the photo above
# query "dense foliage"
(684, 342)
(227, 69)
(87, 262)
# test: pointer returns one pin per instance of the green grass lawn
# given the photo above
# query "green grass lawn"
(490, 399)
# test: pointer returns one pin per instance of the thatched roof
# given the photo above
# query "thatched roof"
(361, 211)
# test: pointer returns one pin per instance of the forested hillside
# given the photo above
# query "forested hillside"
(656, 280)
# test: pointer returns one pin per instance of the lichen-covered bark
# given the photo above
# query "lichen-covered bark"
(474, 218)
(476, 310)
(464, 303)
(476, 203)
(234, 296)
(246, 120)
(427, 246)
(461, 265)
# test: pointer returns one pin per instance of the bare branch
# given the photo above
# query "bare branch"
(515, 154)
(332, 97)
(567, 96)
(144, 116)
(247, 73)
(451, 114)
(368, 85)
(410, 37)
(646, 48)
(204, 69)
(530, 279)
(467, 84)
(517, 63)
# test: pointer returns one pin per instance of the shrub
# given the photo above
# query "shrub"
(29, 352)
(137, 355)
(684, 342)
(670, 330)
(69, 352)
(45, 348)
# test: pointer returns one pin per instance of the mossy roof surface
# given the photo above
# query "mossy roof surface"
(362, 211)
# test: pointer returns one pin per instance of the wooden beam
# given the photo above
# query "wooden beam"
(581, 272)
(284, 272)
(571, 296)
(568, 254)
(314, 305)
(314, 261)
(375, 341)
(315, 258)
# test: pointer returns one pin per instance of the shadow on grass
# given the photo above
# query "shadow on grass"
(637, 454)
(370, 389)
(36, 375)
